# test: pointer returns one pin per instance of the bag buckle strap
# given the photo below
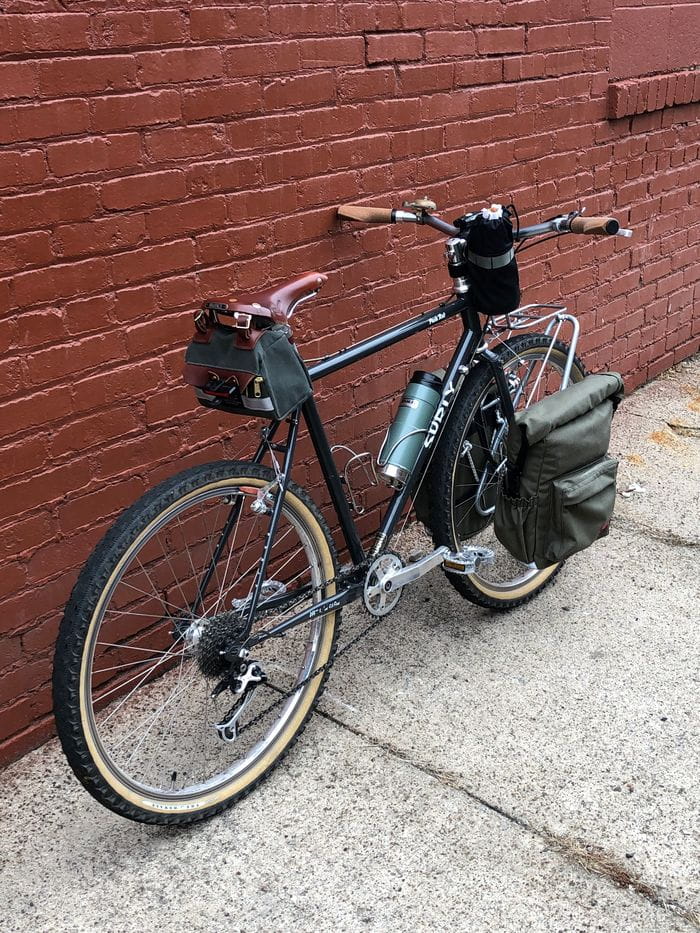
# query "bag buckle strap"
(243, 321)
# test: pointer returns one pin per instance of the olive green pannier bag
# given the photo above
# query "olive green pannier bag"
(558, 491)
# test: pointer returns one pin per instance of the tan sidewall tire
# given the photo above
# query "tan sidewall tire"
(240, 783)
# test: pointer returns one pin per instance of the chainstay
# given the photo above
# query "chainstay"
(286, 694)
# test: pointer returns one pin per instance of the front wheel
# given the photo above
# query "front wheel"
(139, 673)
(465, 472)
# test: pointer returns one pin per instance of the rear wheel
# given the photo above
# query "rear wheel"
(470, 459)
(138, 657)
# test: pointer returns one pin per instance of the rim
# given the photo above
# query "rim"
(145, 713)
(474, 478)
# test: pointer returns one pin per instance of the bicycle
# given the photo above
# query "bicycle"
(201, 632)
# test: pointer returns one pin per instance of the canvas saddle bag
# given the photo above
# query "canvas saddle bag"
(558, 491)
(245, 364)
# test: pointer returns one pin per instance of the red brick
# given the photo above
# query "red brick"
(31, 411)
(22, 457)
(105, 235)
(316, 88)
(125, 111)
(79, 511)
(178, 65)
(262, 58)
(394, 47)
(49, 486)
(228, 175)
(449, 44)
(94, 154)
(139, 265)
(134, 303)
(228, 22)
(223, 100)
(332, 53)
(76, 357)
(177, 219)
(59, 281)
(24, 211)
(22, 250)
(365, 84)
(426, 14)
(41, 121)
(418, 79)
(498, 41)
(493, 99)
(22, 168)
(95, 74)
(186, 142)
(44, 32)
(140, 190)
(18, 79)
(132, 29)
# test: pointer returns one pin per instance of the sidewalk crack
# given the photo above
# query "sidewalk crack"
(665, 537)
(589, 857)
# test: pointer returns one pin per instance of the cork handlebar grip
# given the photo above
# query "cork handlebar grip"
(604, 225)
(368, 215)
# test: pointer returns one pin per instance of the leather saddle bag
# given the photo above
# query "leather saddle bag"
(245, 364)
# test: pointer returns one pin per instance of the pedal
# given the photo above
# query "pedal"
(467, 560)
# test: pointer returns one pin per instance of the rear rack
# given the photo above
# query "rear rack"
(525, 317)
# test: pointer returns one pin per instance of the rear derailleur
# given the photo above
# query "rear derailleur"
(243, 683)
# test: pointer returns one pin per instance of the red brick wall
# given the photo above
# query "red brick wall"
(154, 156)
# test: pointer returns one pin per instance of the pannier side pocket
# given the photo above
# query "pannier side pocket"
(514, 523)
(582, 506)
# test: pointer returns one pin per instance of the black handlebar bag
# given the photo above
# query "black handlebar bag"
(558, 492)
(491, 264)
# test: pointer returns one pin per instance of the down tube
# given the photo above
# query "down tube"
(465, 351)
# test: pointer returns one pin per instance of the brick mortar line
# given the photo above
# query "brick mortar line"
(588, 856)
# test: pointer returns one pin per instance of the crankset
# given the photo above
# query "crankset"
(387, 576)
(379, 595)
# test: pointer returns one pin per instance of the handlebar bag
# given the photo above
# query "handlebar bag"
(247, 371)
(557, 494)
(491, 265)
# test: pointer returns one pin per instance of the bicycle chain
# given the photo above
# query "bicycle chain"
(284, 695)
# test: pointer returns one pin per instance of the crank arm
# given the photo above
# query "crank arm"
(413, 571)
(462, 562)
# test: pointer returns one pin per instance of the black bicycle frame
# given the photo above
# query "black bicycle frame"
(462, 358)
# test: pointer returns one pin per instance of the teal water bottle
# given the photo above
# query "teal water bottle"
(407, 432)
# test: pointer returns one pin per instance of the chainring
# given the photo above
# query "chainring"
(377, 601)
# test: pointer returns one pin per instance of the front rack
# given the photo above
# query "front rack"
(525, 317)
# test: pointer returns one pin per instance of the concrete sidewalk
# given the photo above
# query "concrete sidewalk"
(468, 770)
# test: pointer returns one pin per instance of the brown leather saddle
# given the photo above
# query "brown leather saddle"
(280, 301)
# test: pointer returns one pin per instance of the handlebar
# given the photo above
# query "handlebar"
(389, 215)
(566, 223)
